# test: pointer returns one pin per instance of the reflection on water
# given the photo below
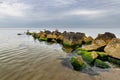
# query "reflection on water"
(23, 58)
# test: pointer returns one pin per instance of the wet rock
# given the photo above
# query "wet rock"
(77, 63)
(28, 33)
(101, 64)
(19, 34)
(114, 60)
(35, 35)
(89, 57)
(72, 39)
(107, 36)
(67, 49)
(113, 48)
(102, 56)
(47, 32)
(87, 40)
(95, 45)
(51, 37)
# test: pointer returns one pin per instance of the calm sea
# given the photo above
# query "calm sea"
(23, 58)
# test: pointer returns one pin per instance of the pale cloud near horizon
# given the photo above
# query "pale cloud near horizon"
(63, 12)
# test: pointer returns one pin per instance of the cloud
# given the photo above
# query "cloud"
(73, 12)
(13, 10)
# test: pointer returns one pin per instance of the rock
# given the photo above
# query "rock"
(102, 56)
(77, 63)
(51, 37)
(47, 32)
(67, 49)
(72, 39)
(94, 55)
(60, 38)
(114, 60)
(19, 34)
(35, 35)
(28, 33)
(96, 45)
(101, 64)
(113, 48)
(87, 40)
(42, 39)
(107, 36)
(89, 57)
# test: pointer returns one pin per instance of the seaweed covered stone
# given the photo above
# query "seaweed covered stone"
(101, 64)
(77, 63)
(114, 60)
(89, 57)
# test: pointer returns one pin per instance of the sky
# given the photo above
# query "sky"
(72, 13)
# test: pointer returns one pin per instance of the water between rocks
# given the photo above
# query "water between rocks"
(23, 58)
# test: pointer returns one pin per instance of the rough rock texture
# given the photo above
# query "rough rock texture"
(107, 36)
(113, 48)
(96, 45)
(77, 63)
(72, 38)
(101, 64)
(89, 57)
(87, 40)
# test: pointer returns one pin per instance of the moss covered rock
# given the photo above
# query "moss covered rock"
(77, 63)
(42, 39)
(101, 64)
(102, 56)
(114, 60)
(89, 57)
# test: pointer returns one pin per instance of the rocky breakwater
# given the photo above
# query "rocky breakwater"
(94, 52)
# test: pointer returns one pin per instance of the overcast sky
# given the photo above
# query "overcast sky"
(80, 13)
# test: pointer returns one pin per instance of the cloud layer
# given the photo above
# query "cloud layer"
(36, 13)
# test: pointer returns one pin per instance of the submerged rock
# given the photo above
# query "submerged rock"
(77, 63)
(101, 64)
(107, 36)
(113, 48)
(19, 34)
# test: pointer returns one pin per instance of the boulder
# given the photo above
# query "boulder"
(113, 48)
(87, 40)
(102, 56)
(107, 36)
(101, 64)
(77, 63)
(95, 45)
(114, 60)
(72, 38)
(89, 57)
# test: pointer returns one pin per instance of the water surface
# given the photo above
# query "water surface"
(23, 58)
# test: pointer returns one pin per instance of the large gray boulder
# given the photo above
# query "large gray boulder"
(113, 48)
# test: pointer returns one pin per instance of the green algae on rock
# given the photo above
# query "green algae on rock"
(102, 56)
(77, 63)
(89, 57)
(101, 64)
(114, 60)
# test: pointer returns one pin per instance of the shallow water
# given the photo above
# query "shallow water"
(23, 58)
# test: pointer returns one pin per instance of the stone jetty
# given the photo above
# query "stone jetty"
(104, 48)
